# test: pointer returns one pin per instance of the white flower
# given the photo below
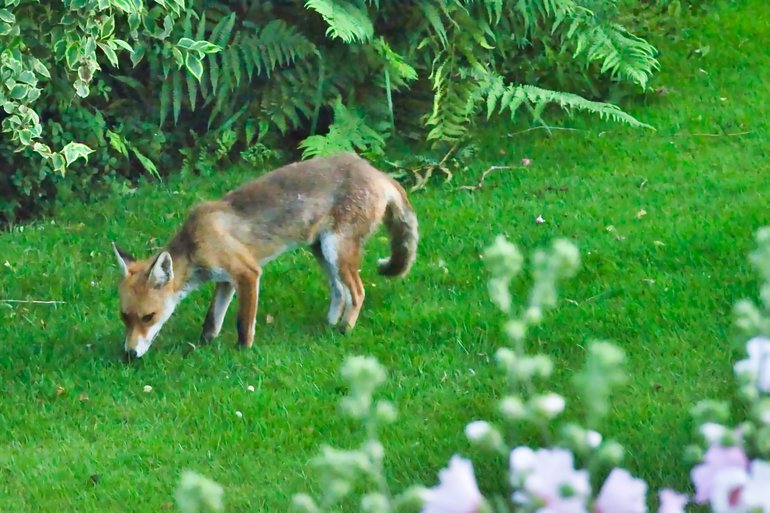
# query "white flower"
(539, 220)
(239, 414)
(726, 496)
(757, 365)
(250, 388)
(147, 388)
(456, 492)
(756, 493)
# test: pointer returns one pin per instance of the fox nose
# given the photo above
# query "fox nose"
(131, 354)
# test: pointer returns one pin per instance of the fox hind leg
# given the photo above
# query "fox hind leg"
(325, 251)
(349, 270)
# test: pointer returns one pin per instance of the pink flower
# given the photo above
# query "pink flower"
(757, 365)
(457, 491)
(672, 502)
(622, 493)
(718, 459)
(525, 162)
(548, 476)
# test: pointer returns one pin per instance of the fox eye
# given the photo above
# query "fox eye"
(147, 318)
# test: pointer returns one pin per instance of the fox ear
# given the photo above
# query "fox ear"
(162, 270)
(123, 258)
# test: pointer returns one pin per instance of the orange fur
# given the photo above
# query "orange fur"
(332, 204)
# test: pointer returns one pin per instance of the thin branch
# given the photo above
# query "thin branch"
(733, 134)
(484, 175)
(30, 301)
(543, 128)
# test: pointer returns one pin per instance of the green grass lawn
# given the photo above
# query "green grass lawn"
(659, 285)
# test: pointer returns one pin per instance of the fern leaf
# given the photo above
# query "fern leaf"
(349, 132)
(346, 20)
(192, 89)
(234, 64)
(165, 99)
(176, 94)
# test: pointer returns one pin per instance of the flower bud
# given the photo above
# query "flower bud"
(550, 405)
(533, 315)
(611, 452)
(512, 408)
(506, 358)
(568, 257)
(484, 435)
(693, 454)
(386, 412)
(375, 503)
(516, 330)
(763, 440)
(713, 432)
(714, 411)
(196, 493)
(303, 503)
(503, 258)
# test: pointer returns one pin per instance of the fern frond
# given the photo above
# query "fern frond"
(349, 132)
(621, 53)
(510, 97)
(289, 97)
(347, 21)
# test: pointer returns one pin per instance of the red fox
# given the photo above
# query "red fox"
(332, 204)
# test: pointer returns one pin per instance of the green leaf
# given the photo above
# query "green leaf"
(117, 142)
(185, 42)
(40, 68)
(81, 88)
(123, 44)
(193, 65)
(147, 164)
(109, 53)
(19, 91)
(58, 163)
(7, 16)
(25, 136)
(74, 151)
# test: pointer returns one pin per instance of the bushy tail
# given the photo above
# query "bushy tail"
(401, 223)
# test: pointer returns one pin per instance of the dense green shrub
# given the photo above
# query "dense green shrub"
(119, 88)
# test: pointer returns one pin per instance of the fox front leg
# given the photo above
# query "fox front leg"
(212, 326)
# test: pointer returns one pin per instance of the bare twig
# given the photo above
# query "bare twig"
(543, 128)
(422, 179)
(484, 175)
(32, 302)
(733, 134)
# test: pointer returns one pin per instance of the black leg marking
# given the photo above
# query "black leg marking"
(241, 332)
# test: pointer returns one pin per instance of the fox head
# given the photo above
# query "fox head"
(147, 298)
